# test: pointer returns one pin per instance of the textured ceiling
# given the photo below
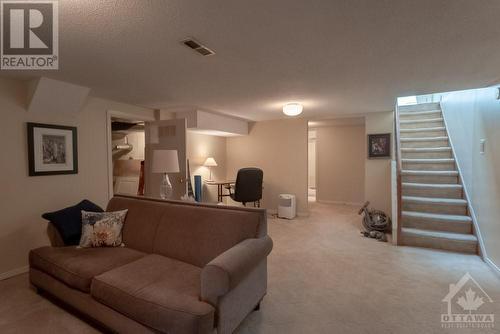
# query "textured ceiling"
(337, 57)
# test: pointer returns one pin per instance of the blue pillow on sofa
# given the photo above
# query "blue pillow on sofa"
(68, 222)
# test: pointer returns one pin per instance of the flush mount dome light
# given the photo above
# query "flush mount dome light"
(292, 109)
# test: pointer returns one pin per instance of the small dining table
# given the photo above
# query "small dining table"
(220, 187)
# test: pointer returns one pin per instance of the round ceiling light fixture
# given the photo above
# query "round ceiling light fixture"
(292, 109)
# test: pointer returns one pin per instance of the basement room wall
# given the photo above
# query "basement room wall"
(471, 116)
(279, 148)
(199, 148)
(340, 164)
(378, 171)
(24, 199)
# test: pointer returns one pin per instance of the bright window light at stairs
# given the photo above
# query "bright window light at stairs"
(407, 100)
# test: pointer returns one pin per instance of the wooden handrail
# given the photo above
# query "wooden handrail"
(397, 152)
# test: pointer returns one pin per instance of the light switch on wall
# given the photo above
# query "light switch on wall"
(482, 144)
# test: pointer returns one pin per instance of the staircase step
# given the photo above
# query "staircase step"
(425, 142)
(423, 112)
(436, 128)
(426, 139)
(437, 201)
(438, 131)
(419, 114)
(426, 149)
(430, 176)
(429, 161)
(442, 164)
(430, 172)
(426, 152)
(432, 190)
(420, 107)
(421, 123)
(451, 206)
(457, 242)
(437, 222)
(425, 120)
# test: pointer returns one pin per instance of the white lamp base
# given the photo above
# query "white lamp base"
(166, 187)
(210, 178)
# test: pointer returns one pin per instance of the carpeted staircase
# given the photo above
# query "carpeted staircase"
(434, 211)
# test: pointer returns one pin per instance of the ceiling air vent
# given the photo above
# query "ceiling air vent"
(198, 47)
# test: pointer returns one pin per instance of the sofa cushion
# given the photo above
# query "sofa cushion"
(102, 229)
(198, 235)
(141, 223)
(188, 232)
(77, 266)
(159, 292)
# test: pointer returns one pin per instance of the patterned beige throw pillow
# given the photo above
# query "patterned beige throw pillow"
(102, 229)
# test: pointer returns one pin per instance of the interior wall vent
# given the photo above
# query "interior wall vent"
(198, 47)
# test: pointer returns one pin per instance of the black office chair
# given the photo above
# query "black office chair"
(248, 187)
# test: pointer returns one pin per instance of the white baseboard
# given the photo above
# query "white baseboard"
(339, 202)
(14, 272)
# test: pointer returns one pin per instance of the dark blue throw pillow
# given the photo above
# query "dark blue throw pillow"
(68, 222)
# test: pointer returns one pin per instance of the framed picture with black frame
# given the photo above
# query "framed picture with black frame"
(379, 146)
(52, 149)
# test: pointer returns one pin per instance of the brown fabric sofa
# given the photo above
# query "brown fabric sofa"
(185, 268)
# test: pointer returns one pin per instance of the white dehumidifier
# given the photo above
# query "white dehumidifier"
(287, 206)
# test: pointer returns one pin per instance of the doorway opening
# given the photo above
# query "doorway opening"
(337, 157)
(127, 156)
(311, 180)
(126, 139)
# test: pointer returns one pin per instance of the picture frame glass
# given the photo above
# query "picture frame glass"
(379, 145)
(53, 149)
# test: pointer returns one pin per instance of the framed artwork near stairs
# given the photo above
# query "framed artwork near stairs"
(379, 146)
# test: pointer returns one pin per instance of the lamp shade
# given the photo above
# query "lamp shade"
(165, 161)
(210, 162)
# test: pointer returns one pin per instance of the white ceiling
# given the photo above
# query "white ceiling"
(337, 57)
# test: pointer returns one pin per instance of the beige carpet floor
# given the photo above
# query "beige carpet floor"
(323, 278)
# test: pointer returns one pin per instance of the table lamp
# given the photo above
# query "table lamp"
(210, 162)
(165, 161)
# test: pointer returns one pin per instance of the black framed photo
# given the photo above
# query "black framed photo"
(379, 145)
(52, 149)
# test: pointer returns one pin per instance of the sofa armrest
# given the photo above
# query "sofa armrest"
(228, 269)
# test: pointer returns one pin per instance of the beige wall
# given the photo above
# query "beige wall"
(311, 166)
(280, 149)
(200, 147)
(22, 198)
(378, 171)
(471, 116)
(341, 164)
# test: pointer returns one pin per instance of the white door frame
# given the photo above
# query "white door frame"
(109, 141)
